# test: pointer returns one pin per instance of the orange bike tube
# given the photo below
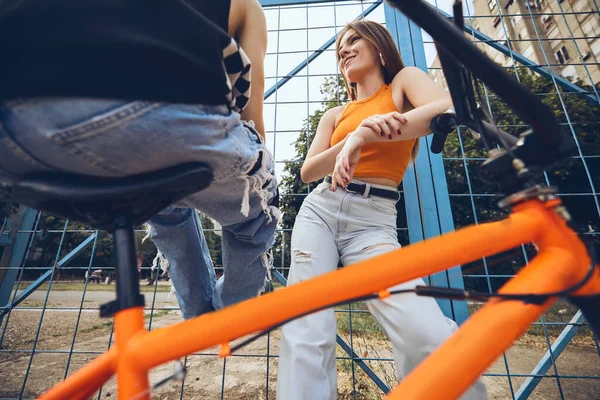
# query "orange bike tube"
(132, 379)
(451, 369)
(88, 379)
(360, 279)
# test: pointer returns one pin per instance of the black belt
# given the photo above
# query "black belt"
(361, 188)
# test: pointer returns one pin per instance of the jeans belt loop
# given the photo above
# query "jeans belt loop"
(367, 190)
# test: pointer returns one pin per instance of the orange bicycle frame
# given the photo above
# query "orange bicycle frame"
(562, 261)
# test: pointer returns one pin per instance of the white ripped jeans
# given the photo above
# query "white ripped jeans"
(348, 227)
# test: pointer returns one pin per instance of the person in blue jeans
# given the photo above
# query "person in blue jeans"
(210, 54)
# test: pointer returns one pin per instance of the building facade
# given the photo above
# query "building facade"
(563, 35)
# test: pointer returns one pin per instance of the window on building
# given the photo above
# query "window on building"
(595, 47)
(500, 33)
(523, 35)
(553, 34)
(555, 38)
(492, 4)
(562, 55)
(580, 6)
(591, 27)
(528, 52)
(515, 20)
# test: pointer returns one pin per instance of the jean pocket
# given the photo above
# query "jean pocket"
(101, 122)
(383, 205)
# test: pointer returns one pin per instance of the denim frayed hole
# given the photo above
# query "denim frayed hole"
(378, 246)
(302, 257)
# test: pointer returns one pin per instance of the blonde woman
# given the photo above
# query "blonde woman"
(362, 150)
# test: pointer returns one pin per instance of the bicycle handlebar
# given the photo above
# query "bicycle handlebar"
(441, 125)
(444, 123)
(527, 106)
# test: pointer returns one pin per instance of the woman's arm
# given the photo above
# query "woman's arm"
(320, 159)
(248, 26)
(428, 98)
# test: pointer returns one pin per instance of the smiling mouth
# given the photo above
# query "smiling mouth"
(348, 60)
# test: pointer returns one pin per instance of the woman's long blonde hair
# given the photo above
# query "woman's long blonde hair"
(382, 40)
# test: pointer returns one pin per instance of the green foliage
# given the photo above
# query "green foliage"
(213, 240)
(580, 119)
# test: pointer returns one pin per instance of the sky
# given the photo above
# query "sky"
(295, 32)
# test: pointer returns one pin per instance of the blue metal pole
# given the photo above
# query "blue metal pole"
(426, 192)
(15, 255)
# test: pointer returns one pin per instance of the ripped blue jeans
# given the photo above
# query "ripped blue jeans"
(118, 138)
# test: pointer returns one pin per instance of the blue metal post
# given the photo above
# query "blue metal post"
(427, 202)
(20, 234)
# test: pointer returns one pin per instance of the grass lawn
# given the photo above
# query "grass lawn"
(95, 287)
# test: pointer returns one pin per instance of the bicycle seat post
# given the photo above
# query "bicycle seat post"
(128, 287)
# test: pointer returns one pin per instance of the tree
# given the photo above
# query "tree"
(292, 189)
(213, 240)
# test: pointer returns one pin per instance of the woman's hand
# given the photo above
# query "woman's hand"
(347, 159)
(385, 124)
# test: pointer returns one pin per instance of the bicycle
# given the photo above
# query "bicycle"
(564, 265)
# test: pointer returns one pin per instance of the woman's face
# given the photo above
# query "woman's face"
(357, 56)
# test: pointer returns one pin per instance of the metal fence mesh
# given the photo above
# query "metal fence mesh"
(50, 266)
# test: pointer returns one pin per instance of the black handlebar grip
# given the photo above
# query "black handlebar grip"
(441, 126)
(438, 141)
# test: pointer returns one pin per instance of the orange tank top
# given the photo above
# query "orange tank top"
(380, 159)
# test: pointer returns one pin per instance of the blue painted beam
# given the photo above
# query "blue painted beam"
(26, 292)
(276, 3)
(564, 83)
(314, 55)
(75, 251)
(35, 285)
(425, 189)
(547, 360)
(355, 357)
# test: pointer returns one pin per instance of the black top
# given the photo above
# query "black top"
(165, 50)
